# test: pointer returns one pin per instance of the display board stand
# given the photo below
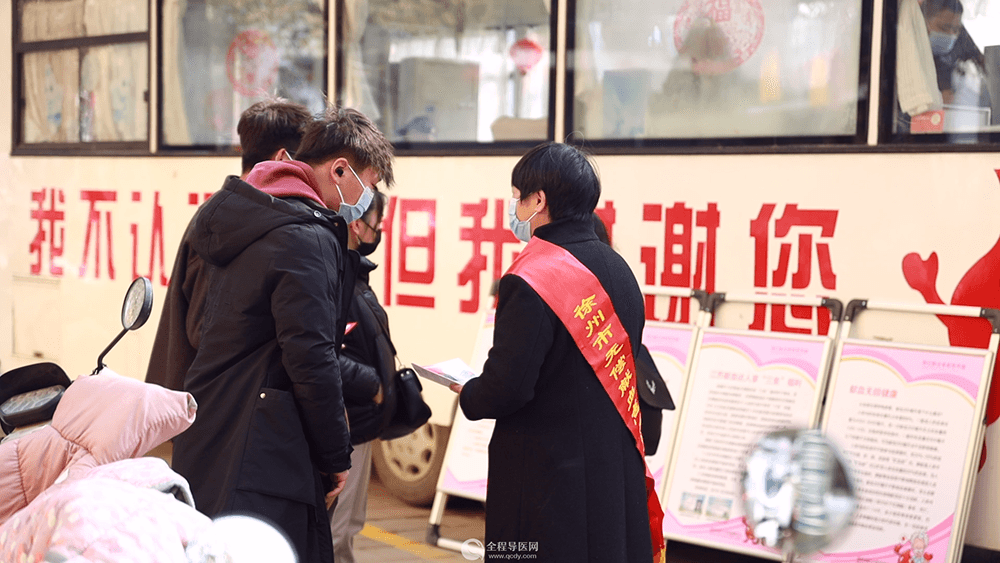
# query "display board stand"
(742, 384)
(671, 344)
(466, 461)
(464, 470)
(910, 420)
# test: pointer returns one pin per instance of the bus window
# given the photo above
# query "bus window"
(947, 64)
(82, 71)
(682, 69)
(436, 73)
(219, 57)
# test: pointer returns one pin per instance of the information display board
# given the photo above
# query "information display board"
(743, 384)
(671, 345)
(910, 421)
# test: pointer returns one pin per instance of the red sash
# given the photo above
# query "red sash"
(576, 296)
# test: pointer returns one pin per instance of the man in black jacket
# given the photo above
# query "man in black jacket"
(271, 259)
(367, 364)
(270, 129)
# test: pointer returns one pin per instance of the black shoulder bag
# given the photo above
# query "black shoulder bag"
(409, 410)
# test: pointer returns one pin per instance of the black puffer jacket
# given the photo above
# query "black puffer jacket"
(262, 359)
(367, 360)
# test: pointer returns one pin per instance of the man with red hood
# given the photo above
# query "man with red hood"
(270, 129)
(270, 257)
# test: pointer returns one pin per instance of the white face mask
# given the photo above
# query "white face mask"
(942, 43)
(353, 212)
(521, 229)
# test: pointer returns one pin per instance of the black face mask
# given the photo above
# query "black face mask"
(366, 248)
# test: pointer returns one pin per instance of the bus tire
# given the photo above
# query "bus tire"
(409, 466)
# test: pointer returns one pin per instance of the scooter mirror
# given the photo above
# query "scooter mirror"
(798, 495)
(138, 304)
(135, 311)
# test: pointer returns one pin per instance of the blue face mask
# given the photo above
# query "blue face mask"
(521, 229)
(942, 43)
(353, 212)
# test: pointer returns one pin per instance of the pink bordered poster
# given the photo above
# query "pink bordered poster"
(467, 460)
(743, 384)
(671, 345)
(909, 420)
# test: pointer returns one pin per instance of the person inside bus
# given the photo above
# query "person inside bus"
(271, 436)
(566, 473)
(367, 366)
(958, 62)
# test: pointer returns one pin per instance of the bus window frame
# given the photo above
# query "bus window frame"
(461, 148)
(734, 145)
(886, 140)
(21, 48)
(163, 148)
(904, 142)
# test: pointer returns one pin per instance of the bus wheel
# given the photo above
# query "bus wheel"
(409, 466)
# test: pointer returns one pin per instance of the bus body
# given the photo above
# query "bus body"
(863, 222)
(897, 227)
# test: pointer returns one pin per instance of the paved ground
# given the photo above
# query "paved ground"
(396, 532)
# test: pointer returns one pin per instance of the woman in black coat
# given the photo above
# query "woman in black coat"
(566, 480)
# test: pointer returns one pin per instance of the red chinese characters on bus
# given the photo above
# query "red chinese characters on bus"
(608, 215)
(51, 232)
(94, 229)
(688, 254)
(416, 238)
(795, 230)
(478, 235)
(97, 254)
(155, 241)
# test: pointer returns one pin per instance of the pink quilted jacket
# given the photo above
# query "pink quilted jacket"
(100, 419)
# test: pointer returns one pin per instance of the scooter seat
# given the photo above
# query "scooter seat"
(29, 394)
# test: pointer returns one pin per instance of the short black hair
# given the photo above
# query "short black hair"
(269, 125)
(346, 132)
(566, 175)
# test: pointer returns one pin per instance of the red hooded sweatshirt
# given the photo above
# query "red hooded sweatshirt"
(285, 178)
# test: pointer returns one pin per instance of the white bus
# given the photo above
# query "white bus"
(843, 148)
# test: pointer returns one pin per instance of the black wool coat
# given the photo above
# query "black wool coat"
(564, 472)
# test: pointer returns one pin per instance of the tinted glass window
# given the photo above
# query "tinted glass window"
(442, 72)
(679, 69)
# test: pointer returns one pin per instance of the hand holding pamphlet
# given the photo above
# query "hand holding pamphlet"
(446, 373)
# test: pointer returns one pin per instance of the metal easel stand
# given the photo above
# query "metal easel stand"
(470, 548)
(835, 306)
(699, 295)
(855, 306)
(433, 537)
